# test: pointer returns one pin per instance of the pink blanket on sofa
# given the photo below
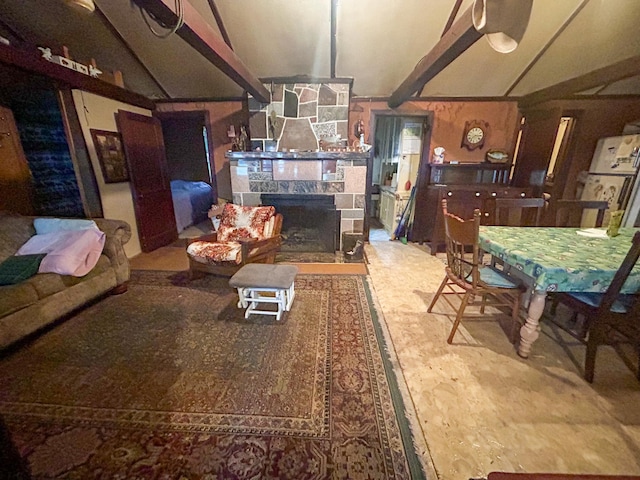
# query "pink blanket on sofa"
(70, 252)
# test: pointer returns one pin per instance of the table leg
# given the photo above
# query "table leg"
(530, 330)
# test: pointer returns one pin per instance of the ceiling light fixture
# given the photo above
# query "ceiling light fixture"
(503, 22)
(82, 5)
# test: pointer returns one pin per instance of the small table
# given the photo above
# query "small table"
(550, 259)
(255, 280)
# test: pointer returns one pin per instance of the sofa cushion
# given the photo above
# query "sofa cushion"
(16, 297)
(214, 252)
(16, 269)
(102, 266)
(15, 231)
(49, 225)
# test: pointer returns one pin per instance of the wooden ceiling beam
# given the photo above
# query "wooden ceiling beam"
(218, 17)
(454, 42)
(629, 67)
(452, 17)
(206, 41)
(334, 48)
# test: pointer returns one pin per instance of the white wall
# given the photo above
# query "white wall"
(98, 112)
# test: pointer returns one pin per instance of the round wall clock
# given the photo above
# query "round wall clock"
(474, 135)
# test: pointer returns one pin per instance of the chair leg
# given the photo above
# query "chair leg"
(590, 357)
(438, 293)
(515, 320)
(463, 305)
(554, 304)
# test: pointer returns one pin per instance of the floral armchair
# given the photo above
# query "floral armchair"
(245, 235)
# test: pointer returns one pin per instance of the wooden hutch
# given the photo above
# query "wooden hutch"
(466, 186)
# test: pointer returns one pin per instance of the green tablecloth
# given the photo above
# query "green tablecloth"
(560, 260)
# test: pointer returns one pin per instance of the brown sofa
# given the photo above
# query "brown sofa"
(33, 303)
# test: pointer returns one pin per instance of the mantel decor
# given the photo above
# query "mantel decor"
(110, 155)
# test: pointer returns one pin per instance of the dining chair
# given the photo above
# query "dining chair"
(467, 278)
(569, 213)
(608, 313)
(518, 212)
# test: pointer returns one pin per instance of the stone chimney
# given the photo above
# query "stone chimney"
(300, 115)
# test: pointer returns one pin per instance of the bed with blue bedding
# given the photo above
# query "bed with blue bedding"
(191, 202)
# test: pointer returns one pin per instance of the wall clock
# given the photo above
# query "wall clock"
(475, 134)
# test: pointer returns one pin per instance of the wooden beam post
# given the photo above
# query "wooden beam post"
(629, 67)
(199, 34)
(455, 41)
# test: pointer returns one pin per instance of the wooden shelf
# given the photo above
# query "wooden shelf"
(34, 63)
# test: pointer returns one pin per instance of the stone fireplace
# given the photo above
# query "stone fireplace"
(322, 194)
(339, 176)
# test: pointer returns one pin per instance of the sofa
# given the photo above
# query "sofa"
(37, 301)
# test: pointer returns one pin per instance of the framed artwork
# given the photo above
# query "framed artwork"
(110, 155)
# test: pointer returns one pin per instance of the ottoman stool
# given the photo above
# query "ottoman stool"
(255, 279)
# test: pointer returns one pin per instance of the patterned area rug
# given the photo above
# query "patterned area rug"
(313, 257)
(169, 380)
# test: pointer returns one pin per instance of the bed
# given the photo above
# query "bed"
(191, 201)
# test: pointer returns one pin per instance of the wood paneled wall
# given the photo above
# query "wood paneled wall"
(595, 118)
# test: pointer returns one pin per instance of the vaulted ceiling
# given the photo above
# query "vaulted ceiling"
(570, 46)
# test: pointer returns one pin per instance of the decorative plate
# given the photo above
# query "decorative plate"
(497, 156)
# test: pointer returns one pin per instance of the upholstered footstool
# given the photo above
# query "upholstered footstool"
(265, 283)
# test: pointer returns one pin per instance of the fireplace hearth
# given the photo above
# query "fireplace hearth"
(310, 222)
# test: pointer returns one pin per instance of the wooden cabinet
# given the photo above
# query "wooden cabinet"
(387, 210)
(392, 205)
(467, 187)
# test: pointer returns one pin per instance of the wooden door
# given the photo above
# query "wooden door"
(536, 147)
(15, 176)
(148, 172)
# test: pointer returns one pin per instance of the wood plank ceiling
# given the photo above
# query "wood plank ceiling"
(390, 49)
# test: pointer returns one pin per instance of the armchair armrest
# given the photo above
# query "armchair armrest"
(252, 249)
(209, 237)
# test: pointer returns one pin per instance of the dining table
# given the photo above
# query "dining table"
(552, 259)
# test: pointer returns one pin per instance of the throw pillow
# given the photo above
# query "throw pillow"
(15, 269)
(49, 225)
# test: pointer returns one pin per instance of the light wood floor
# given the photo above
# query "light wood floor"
(175, 259)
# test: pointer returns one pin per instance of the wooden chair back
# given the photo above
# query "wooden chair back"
(461, 239)
(466, 278)
(518, 212)
(569, 213)
(621, 276)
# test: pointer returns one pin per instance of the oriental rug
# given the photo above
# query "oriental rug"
(169, 380)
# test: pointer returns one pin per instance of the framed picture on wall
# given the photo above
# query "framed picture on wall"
(110, 155)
